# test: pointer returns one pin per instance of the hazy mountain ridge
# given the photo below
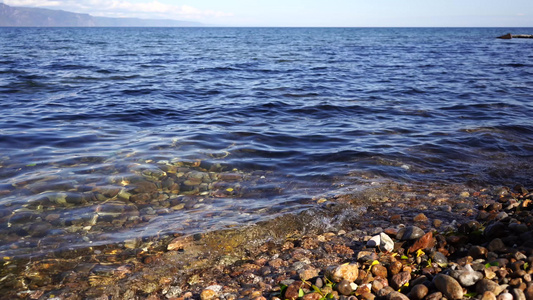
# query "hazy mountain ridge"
(11, 16)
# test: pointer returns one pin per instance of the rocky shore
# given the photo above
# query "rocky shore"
(408, 243)
(516, 36)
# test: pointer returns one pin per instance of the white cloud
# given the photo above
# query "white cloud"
(33, 3)
(124, 8)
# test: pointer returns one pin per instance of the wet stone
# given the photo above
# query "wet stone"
(192, 182)
(230, 176)
(39, 229)
(344, 287)
(409, 233)
(440, 259)
(107, 191)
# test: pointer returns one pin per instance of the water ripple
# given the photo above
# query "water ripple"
(281, 115)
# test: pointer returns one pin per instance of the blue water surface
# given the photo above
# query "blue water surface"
(299, 108)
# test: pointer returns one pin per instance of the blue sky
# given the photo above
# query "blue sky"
(358, 13)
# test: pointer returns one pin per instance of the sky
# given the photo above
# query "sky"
(309, 13)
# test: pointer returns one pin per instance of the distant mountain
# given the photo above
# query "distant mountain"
(11, 16)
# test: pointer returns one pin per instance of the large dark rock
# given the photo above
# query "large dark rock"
(516, 36)
(506, 36)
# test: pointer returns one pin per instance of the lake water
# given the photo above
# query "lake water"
(108, 135)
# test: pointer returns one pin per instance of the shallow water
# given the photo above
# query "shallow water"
(110, 135)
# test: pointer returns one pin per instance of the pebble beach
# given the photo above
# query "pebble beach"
(439, 243)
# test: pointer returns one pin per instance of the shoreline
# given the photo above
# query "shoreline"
(254, 260)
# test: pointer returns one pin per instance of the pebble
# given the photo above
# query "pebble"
(505, 296)
(528, 292)
(421, 218)
(366, 296)
(293, 290)
(208, 294)
(374, 241)
(379, 271)
(425, 242)
(434, 296)
(488, 295)
(399, 280)
(440, 259)
(518, 294)
(173, 292)
(386, 243)
(409, 233)
(377, 285)
(308, 273)
(395, 267)
(312, 296)
(449, 287)
(487, 285)
(394, 295)
(418, 292)
(469, 277)
(344, 287)
(496, 245)
(348, 272)
(385, 292)
(478, 252)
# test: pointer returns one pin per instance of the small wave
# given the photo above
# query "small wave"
(303, 95)
(479, 106)
(138, 92)
(69, 66)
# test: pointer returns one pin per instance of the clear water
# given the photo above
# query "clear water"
(273, 116)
